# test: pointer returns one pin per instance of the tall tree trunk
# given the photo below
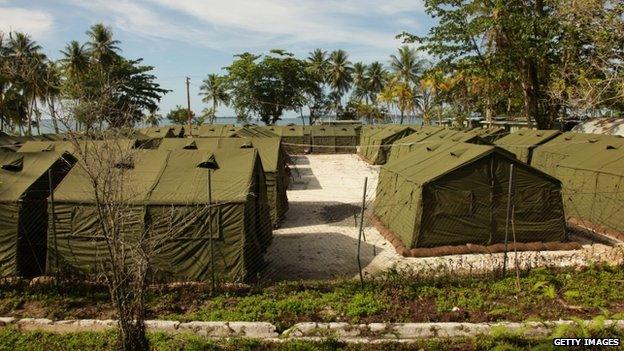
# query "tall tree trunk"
(30, 111)
(53, 115)
(402, 114)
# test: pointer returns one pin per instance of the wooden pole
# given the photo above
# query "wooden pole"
(361, 231)
(511, 173)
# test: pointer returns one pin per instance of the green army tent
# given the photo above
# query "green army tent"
(378, 145)
(241, 229)
(273, 159)
(158, 132)
(523, 142)
(25, 182)
(403, 146)
(593, 179)
(547, 156)
(217, 130)
(333, 139)
(294, 138)
(81, 147)
(253, 131)
(456, 193)
(166, 193)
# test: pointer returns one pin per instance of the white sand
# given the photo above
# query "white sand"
(307, 247)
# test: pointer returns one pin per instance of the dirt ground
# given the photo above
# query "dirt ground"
(318, 239)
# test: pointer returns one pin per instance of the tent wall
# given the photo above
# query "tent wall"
(23, 221)
(455, 194)
(9, 216)
(379, 144)
(463, 206)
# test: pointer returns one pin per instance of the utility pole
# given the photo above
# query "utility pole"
(188, 105)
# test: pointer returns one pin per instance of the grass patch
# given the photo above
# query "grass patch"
(12, 339)
(544, 294)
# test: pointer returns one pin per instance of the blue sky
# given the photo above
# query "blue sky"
(196, 37)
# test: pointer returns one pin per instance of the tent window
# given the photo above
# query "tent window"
(453, 202)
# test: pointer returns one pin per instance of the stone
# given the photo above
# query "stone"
(254, 329)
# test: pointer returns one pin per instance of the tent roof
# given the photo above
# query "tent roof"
(268, 148)
(527, 138)
(429, 162)
(182, 182)
(388, 132)
(158, 132)
(69, 146)
(13, 184)
(254, 131)
(216, 130)
(603, 156)
(139, 180)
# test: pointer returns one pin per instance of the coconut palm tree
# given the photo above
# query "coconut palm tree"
(75, 59)
(27, 70)
(215, 90)
(318, 64)
(339, 75)
(101, 45)
(406, 65)
(360, 82)
(377, 78)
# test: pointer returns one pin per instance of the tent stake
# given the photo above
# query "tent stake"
(511, 172)
(361, 231)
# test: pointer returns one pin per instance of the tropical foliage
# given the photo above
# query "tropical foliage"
(32, 86)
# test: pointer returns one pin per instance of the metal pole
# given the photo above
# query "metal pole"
(361, 231)
(511, 172)
(188, 106)
(53, 217)
(212, 272)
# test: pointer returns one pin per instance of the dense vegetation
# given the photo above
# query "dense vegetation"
(92, 82)
(543, 60)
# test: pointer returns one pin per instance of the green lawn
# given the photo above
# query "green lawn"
(394, 297)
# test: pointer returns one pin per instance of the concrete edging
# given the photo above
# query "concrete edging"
(372, 332)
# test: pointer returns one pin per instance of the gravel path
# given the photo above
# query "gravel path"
(318, 238)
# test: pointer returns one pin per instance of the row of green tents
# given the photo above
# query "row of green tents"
(49, 218)
(382, 143)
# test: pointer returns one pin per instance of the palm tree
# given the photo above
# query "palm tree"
(28, 69)
(339, 74)
(377, 78)
(53, 90)
(318, 64)
(75, 59)
(215, 89)
(360, 82)
(406, 65)
(101, 45)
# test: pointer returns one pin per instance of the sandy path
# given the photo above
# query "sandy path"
(318, 238)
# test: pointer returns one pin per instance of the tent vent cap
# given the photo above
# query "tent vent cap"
(246, 145)
(16, 165)
(210, 163)
(344, 129)
(612, 147)
(190, 146)
(458, 153)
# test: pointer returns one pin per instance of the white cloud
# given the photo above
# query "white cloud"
(34, 22)
(251, 24)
